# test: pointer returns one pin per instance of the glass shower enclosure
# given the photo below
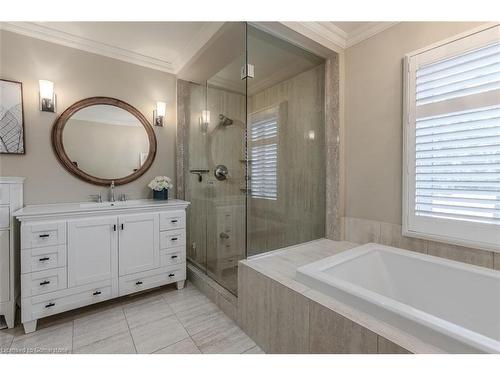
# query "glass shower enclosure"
(254, 150)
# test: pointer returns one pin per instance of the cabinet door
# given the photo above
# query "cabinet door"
(92, 250)
(4, 266)
(139, 243)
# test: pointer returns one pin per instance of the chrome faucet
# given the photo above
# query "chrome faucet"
(112, 191)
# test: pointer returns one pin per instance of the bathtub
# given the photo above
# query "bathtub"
(452, 306)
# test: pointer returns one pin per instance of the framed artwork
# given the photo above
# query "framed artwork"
(11, 117)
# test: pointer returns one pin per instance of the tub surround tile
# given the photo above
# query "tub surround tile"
(99, 326)
(461, 254)
(53, 340)
(186, 346)
(121, 343)
(289, 320)
(254, 305)
(391, 235)
(388, 347)
(344, 336)
(265, 297)
(497, 261)
(151, 337)
(362, 231)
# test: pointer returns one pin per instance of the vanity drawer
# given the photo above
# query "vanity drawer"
(42, 282)
(172, 238)
(172, 256)
(4, 193)
(43, 234)
(43, 258)
(172, 220)
(57, 302)
(151, 279)
(4, 217)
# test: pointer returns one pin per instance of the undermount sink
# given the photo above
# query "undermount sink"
(110, 204)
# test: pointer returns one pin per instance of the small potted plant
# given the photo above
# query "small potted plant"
(160, 186)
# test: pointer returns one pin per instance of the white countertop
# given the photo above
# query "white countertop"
(57, 209)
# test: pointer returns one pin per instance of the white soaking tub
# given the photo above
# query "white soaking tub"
(450, 305)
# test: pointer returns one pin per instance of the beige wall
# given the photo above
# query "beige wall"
(373, 116)
(78, 75)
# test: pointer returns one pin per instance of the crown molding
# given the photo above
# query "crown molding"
(196, 44)
(333, 37)
(365, 32)
(42, 32)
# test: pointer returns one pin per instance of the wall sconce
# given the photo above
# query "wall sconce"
(205, 120)
(47, 96)
(159, 113)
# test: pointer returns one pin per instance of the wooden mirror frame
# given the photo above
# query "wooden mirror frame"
(62, 156)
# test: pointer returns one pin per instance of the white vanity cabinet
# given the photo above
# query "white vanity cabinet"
(11, 199)
(73, 255)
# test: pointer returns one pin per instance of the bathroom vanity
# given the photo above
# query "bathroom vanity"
(77, 254)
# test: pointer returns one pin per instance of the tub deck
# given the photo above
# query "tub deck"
(284, 315)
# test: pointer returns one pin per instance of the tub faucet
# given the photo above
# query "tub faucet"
(112, 191)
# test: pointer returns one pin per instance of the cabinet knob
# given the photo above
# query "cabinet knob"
(44, 235)
(43, 259)
(173, 221)
(173, 256)
(174, 239)
(45, 282)
(96, 293)
(50, 305)
(171, 275)
(138, 283)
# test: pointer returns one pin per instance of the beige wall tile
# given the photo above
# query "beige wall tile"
(344, 336)
(254, 305)
(497, 261)
(391, 235)
(289, 314)
(388, 347)
(461, 254)
(361, 231)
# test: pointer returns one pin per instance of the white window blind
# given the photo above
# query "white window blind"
(452, 177)
(263, 150)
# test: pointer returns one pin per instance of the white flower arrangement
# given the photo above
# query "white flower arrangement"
(160, 182)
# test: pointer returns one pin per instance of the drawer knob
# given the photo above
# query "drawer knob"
(44, 235)
(96, 293)
(45, 282)
(173, 221)
(174, 239)
(50, 305)
(173, 256)
(138, 283)
(171, 275)
(43, 259)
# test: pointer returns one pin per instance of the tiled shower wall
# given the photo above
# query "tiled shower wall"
(363, 231)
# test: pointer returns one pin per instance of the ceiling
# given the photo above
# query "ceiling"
(170, 46)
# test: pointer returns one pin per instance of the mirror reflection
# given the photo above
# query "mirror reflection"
(105, 141)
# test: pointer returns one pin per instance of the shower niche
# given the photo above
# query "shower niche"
(252, 149)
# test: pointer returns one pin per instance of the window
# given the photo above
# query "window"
(452, 142)
(263, 152)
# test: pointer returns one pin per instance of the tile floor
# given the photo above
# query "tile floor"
(165, 321)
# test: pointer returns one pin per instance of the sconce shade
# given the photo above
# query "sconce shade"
(205, 117)
(161, 109)
(47, 96)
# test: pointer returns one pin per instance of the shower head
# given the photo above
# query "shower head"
(225, 121)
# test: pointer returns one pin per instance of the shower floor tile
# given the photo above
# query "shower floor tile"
(162, 321)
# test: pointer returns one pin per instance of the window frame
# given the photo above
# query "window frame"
(463, 233)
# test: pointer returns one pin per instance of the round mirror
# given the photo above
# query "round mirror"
(103, 139)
